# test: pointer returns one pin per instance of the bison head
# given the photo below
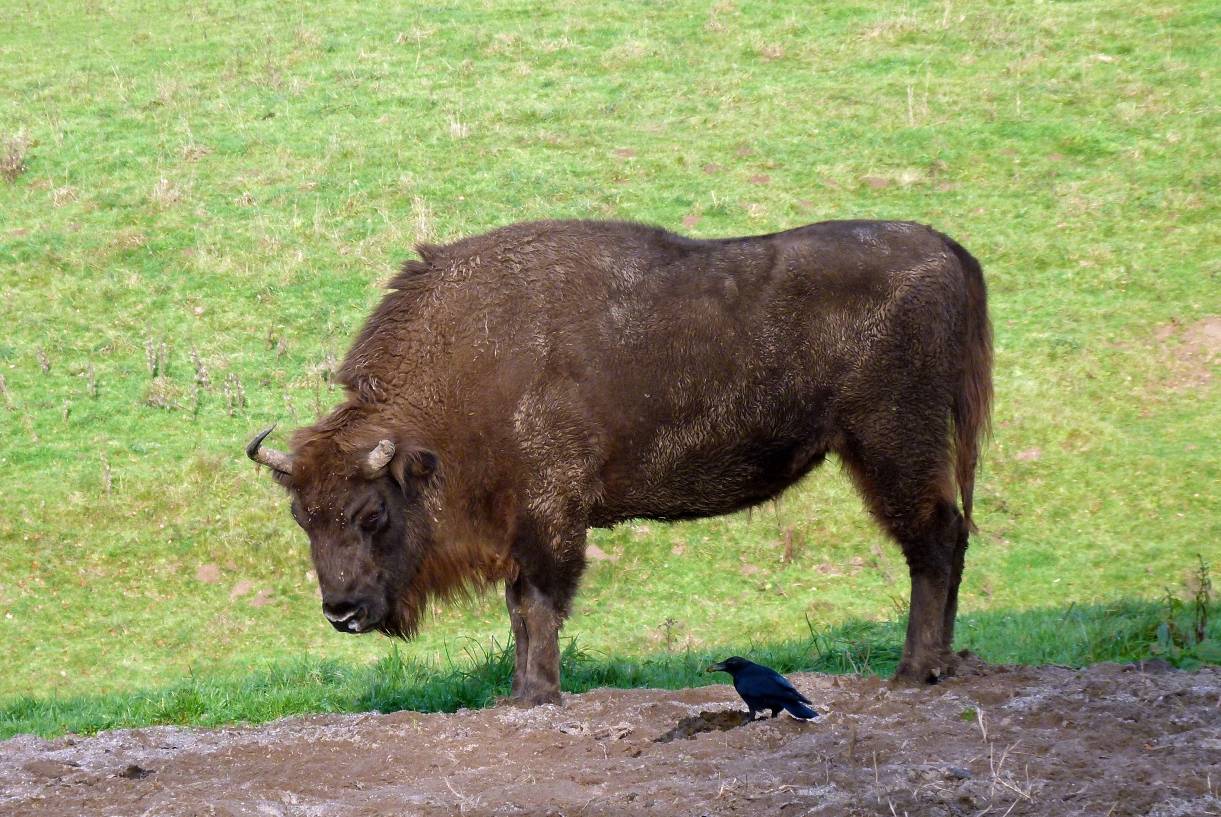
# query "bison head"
(366, 516)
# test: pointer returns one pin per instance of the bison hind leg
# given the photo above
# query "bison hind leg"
(907, 485)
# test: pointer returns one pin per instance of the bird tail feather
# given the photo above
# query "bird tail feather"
(802, 711)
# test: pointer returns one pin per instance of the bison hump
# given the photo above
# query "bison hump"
(413, 268)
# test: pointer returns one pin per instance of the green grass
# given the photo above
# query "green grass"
(220, 187)
(481, 672)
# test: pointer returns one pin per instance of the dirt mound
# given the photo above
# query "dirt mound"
(1108, 740)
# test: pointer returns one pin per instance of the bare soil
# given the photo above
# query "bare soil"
(1108, 740)
(1190, 352)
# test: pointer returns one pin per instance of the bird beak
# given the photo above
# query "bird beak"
(718, 667)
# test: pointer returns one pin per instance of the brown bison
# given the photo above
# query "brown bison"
(516, 388)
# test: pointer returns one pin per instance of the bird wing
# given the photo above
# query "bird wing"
(763, 687)
(786, 684)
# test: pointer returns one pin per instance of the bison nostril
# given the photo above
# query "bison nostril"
(343, 614)
(355, 613)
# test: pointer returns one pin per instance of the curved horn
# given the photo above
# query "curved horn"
(273, 459)
(379, 457)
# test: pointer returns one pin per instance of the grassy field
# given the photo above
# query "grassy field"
(198, 202)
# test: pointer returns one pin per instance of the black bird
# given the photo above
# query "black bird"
(764, 688)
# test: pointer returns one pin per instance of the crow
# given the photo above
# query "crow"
(764, 688)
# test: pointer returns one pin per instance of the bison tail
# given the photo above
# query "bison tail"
(973, 397)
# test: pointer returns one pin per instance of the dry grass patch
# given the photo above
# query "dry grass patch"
(165, 193)
(1190, 351)
(13, 153)
(61, 196)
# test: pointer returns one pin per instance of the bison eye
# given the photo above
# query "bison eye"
(373, 520)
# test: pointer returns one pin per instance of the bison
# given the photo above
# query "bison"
(516, 388)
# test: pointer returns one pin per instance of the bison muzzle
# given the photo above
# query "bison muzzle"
(516, 388)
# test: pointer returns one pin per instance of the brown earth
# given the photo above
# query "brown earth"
(1189, 352)
(1109, 740)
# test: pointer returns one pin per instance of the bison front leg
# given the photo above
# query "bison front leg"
(549, 568)
(515, 595)
(541, 684)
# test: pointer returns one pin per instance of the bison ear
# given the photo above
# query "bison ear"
(279, 476)
(414, 465)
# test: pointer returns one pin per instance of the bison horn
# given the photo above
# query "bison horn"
(275, 460)
(380, 456)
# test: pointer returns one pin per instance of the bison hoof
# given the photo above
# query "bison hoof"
(920, 673)
(551, 696)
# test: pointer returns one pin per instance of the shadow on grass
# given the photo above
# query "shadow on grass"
(1127, 630)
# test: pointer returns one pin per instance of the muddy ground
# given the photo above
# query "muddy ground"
(1110, 740)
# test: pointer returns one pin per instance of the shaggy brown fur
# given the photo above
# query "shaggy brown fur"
(547, 377)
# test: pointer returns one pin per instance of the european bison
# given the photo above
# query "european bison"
(514, 389)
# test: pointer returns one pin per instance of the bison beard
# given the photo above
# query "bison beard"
(516, 388)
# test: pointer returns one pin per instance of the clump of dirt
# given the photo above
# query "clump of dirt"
(135, 772)
(718, 721)
(1110, 739)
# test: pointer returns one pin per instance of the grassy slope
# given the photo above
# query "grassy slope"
(235, 180)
